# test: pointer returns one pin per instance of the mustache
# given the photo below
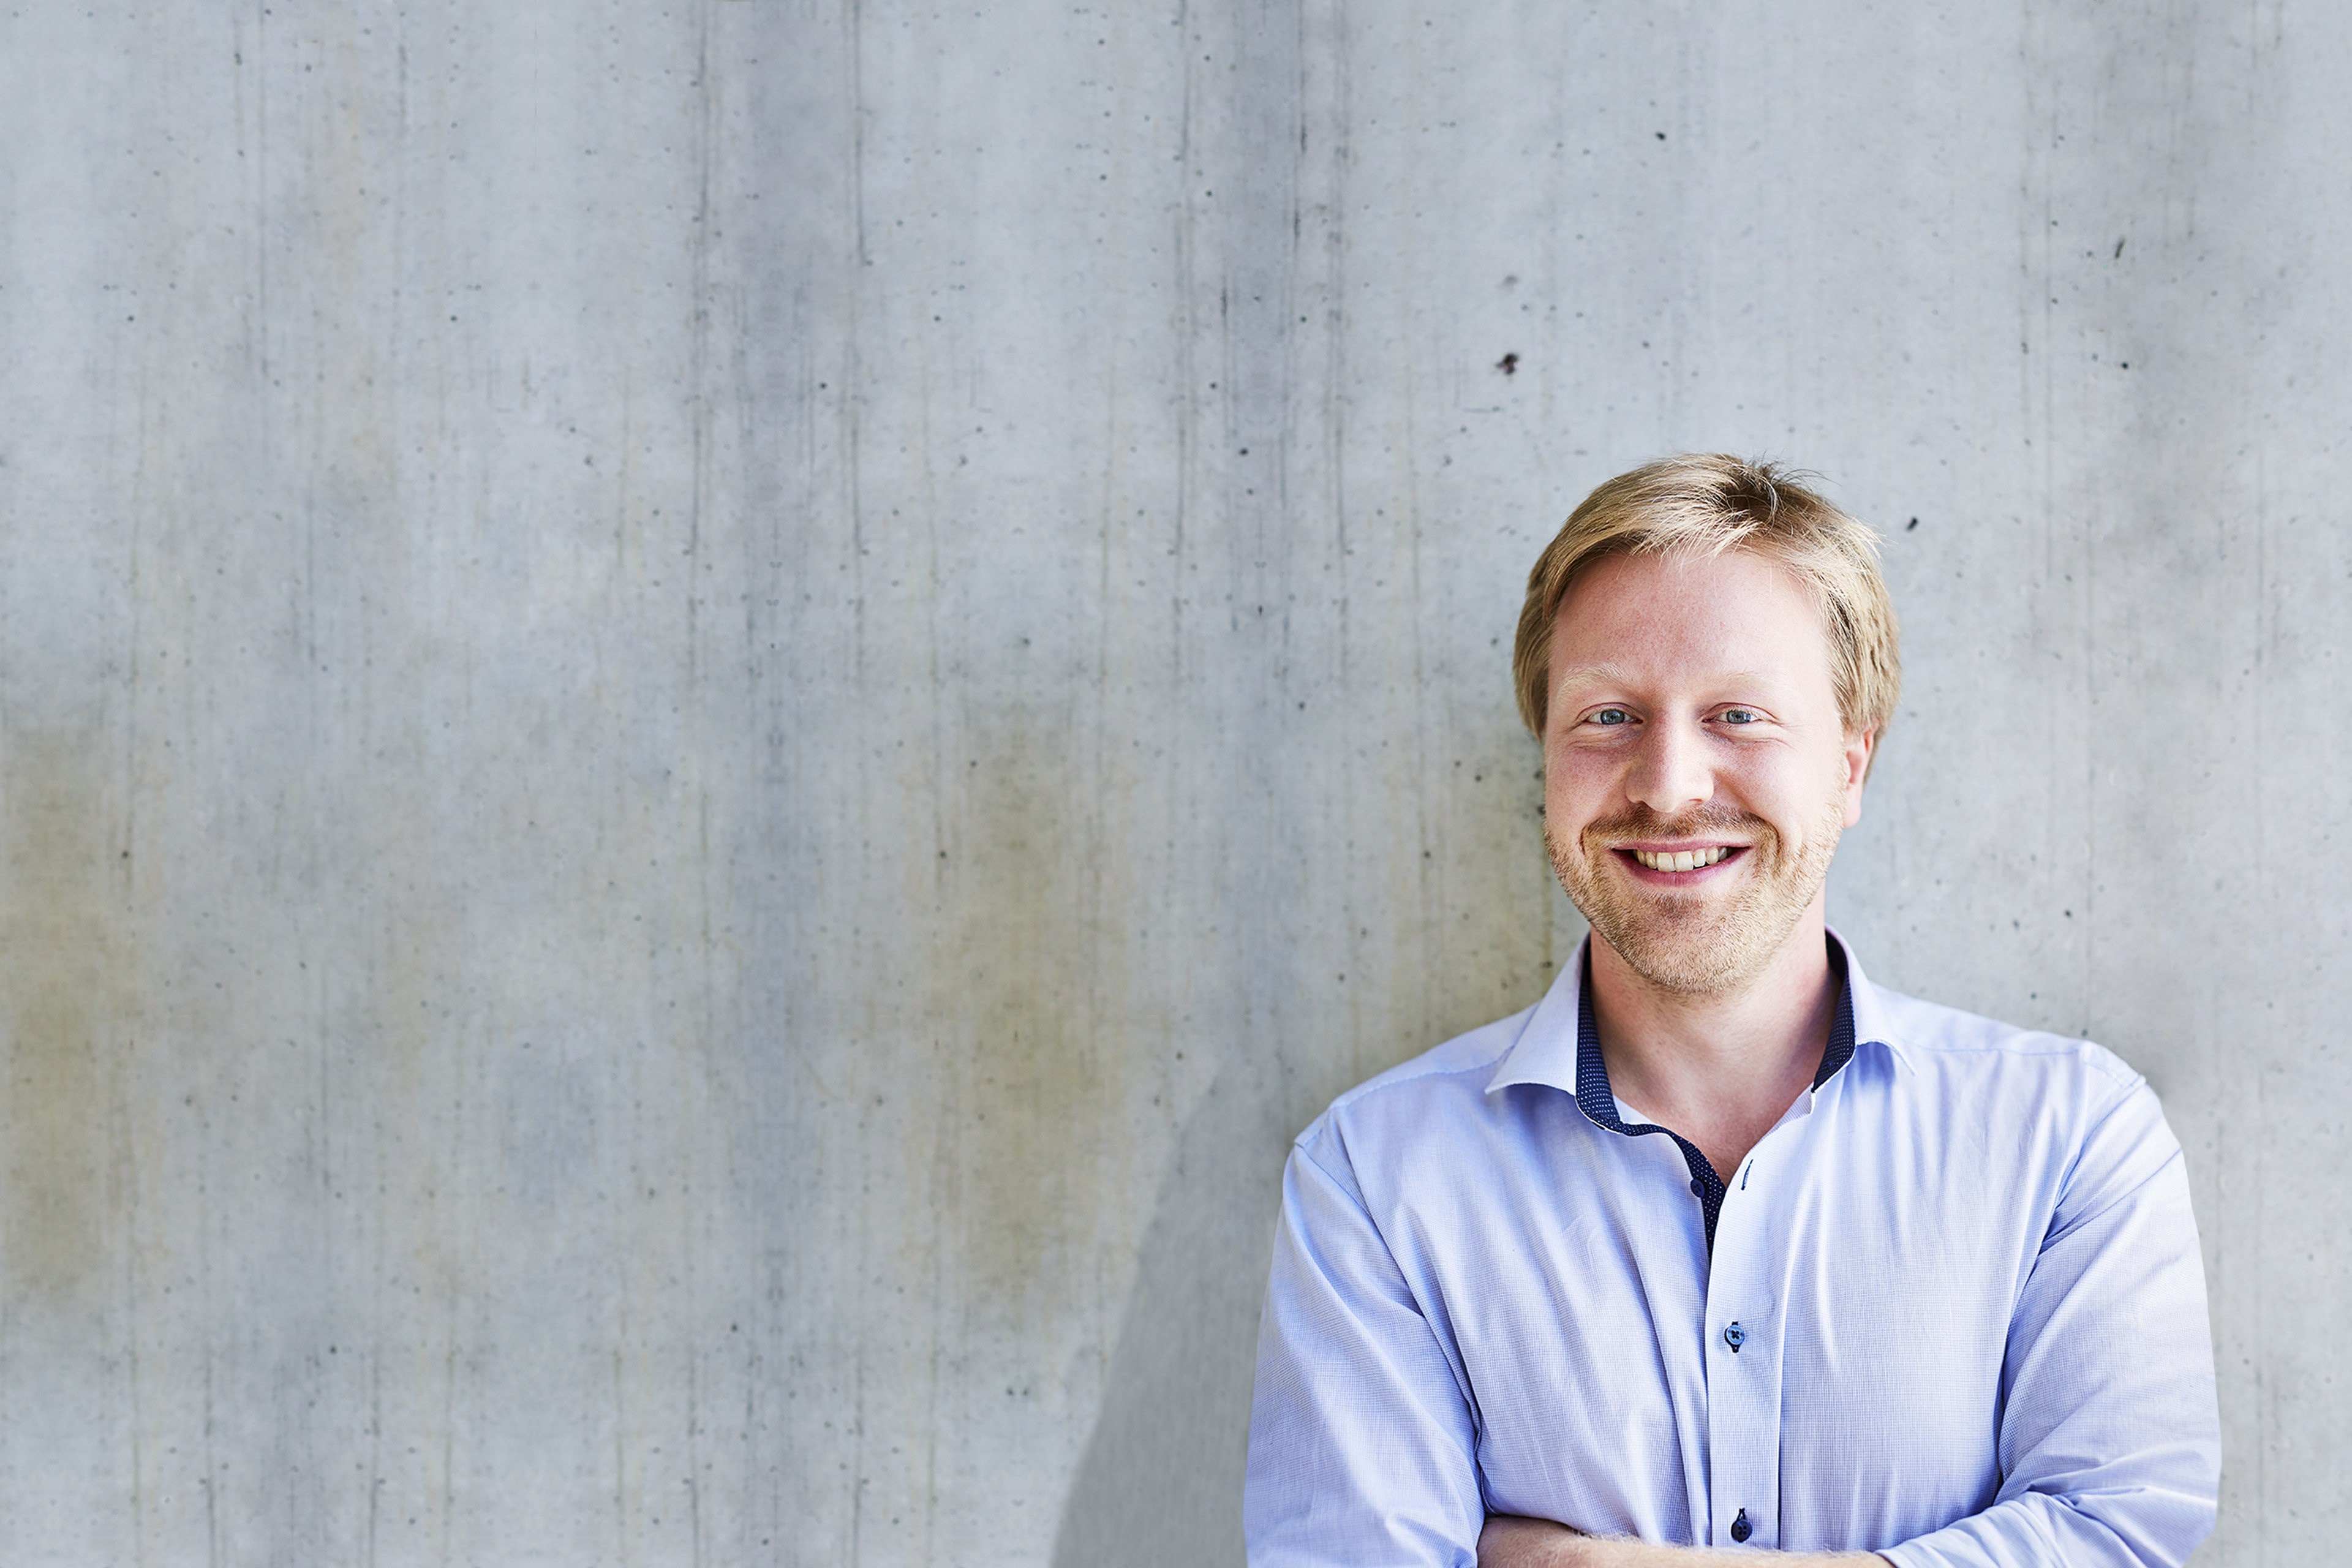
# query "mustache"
(1639, 822)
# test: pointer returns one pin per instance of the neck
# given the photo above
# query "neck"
(1718, 1069)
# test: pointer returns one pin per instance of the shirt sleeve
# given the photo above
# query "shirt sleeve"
(1362, 1442)
(2109, 1440)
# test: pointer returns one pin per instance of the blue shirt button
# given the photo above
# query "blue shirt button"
(1695, 1189)
(1740, 1529)
(1734, 1336)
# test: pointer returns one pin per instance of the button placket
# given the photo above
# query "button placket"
(1744, 1372)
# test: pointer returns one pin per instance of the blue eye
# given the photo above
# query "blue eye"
(1741, 716)
(1612, 716)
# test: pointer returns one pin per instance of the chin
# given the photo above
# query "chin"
(1714, 960)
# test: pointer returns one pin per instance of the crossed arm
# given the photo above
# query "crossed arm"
(1511, 1543)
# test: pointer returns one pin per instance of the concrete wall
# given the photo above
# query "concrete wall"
(712, 718)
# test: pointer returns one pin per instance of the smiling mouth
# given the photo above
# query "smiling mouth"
(1683, 859)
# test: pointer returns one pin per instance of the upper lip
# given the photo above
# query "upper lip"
(1647, 847)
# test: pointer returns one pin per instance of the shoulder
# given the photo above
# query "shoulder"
(1935, 1038)
(1951, 1045)
(1439, 1096)
(2025, 1094)
(1465, 1061)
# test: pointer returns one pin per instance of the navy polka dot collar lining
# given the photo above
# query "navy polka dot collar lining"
(1599, 1102)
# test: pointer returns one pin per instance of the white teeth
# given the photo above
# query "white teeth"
(1681, 859)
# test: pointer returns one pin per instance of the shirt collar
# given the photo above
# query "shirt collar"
(1558, 1046)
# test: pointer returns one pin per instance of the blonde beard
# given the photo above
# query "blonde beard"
(1691, 944)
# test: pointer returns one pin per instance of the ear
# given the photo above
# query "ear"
(1859, 748)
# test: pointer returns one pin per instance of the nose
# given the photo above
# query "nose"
(1669, 771)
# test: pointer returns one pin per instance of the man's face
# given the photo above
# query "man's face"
(1697, 774)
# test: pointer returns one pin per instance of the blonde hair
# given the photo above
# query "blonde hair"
(1704, 503)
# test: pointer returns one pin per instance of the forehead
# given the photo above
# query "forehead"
(1691, 617)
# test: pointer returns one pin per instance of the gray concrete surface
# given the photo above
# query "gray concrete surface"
(712, 718)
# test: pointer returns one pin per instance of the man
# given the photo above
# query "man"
(1720, 1246)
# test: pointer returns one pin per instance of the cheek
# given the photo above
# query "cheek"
(1789, 788)
(1572, 784)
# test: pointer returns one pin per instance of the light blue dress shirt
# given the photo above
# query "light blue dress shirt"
(1953, 1309)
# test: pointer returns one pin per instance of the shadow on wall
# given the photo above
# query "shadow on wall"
(1160, 1484)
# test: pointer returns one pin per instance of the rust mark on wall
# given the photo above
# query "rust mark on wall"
(62, 977)
(1027, 984)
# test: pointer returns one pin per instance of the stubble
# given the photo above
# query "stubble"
(1697, 944)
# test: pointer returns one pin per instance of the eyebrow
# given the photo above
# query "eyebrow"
(1617, 674)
